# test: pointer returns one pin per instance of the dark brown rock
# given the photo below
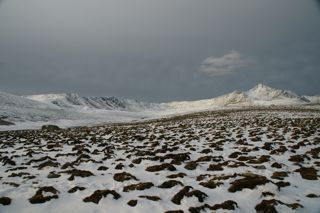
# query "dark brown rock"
(176, 199)
(211, 184)
(157, 168)
(138, 186)
(98, 194)
(178, 175)
(103, 168)
(279, 175)
(249, 182)
(170, 184)
(5, 201)
(76, 188)
(153, 198)
(308, 173)
(39, 198)
(132, 203)
(191, 165)
(123, 176)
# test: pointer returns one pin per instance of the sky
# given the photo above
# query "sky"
(158, 50)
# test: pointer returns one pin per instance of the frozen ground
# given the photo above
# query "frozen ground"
(221, 161)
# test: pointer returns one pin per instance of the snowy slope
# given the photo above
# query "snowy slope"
(17, 108)
(234, 160)
(10, 100)
(27, 113)
(313, 99)
(71, 100)
(260, 95)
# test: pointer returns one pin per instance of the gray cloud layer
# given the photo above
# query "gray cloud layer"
(152, 49)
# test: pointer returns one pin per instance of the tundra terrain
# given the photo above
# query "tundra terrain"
(249, 160)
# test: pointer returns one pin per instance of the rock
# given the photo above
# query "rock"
(123, 176)
(76, 188)
(265, 194)
(234, 154)
(170, 184)
(276, 165)
(157, 168)
(279, 175)
(197, 193)
(178, 175)
(103, 168)
(247, 182)
(177, 158)
(296, 158)
(227, 205)
(139, 186)
(186, 192)
(282, 184)
(40, 198)
(312, 196)
(211, 184)
(260, 160)
(48, 163)
(132, 203)
(176, 199)
(137, 161)
(7, 160)
(308, 173)
(119, 166)
(153, 198)
(191, 165)
(5, 201)
(266, 206)
(98, 194)
(53, 175)
(215, 167)
(199, 209)
(78, 173)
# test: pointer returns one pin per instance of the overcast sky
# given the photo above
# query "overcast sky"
(158, 50)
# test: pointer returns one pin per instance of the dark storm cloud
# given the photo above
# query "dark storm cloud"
(317, 2)
(153, 49)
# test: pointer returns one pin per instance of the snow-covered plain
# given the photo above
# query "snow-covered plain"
(66, 110)
(220, 161)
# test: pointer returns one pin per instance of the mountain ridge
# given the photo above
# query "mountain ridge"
(71, 106)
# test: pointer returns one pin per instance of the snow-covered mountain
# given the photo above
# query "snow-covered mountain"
(260, 95)
(71, 100)
(72, 107)
(67, 110)
(20, 109)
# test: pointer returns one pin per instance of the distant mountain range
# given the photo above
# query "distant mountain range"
(260, 95)
(68, 106)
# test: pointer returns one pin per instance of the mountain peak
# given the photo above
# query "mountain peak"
(260, 87)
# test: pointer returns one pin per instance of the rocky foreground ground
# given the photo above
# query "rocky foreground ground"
(260, 160)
